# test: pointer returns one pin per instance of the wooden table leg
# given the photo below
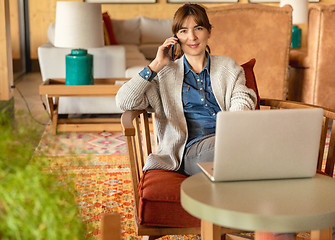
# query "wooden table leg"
(111, 227)
(324, 234)
(54, 114)
(210, 231)
(51, 106)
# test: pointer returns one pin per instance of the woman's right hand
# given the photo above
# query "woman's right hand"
(163, 57)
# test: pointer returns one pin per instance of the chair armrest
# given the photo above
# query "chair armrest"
(127, 119)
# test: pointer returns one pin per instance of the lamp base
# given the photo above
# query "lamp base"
(79, 68)
(296, 37)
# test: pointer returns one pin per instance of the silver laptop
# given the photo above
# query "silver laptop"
(265, 144)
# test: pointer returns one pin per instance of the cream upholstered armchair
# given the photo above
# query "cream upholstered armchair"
(245, 31)
(312, 71)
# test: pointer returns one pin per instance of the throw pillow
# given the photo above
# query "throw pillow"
(250, 78)
(108, 30)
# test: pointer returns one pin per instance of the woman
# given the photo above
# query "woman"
(186, 94)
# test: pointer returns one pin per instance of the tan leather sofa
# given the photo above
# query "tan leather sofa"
(245, 31)
(312, 73)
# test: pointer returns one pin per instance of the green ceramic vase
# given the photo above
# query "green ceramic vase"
(296, 37)
(79, 68)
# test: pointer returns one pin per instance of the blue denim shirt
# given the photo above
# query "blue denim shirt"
(200, 106)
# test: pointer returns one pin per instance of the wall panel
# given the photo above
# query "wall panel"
(42, 13)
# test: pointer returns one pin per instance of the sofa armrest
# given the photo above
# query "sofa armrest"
(108, 61)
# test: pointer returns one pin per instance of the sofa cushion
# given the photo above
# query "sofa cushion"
(159, 204)
(250, 78)
(149, 50)
(155, 30)
(127, 31)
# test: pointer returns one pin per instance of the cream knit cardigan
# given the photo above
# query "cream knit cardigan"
(164, 97)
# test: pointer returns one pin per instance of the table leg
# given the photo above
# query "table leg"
(210, 231)
(51, 106)
(324, 234)
(54, 114)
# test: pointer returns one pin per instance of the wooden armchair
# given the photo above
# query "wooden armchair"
(154, 215)
(158, 211)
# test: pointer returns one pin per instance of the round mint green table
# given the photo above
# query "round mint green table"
(292, 205)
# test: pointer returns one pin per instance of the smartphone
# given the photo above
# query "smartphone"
(172, 50)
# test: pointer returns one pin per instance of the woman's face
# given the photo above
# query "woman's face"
(192, 37)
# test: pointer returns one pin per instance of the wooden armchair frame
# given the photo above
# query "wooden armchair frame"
(136, 128)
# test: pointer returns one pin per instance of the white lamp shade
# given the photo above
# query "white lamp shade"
(300, 10)
(78, 25)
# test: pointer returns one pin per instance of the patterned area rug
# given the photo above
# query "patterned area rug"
(103, 185)
(99, 165)
(61, 144)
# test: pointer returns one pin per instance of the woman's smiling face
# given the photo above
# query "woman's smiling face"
(192, 37)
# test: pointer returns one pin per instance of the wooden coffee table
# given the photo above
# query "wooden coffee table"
(55, 88)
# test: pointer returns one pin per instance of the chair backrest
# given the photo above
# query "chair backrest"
(135, 125)
(245, 31)
(326, 158)
(318, 85)
(248, 68)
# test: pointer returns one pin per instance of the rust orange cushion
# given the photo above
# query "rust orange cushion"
(250, 78)
(159, 204)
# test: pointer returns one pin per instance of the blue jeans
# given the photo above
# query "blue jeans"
(201, 151)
